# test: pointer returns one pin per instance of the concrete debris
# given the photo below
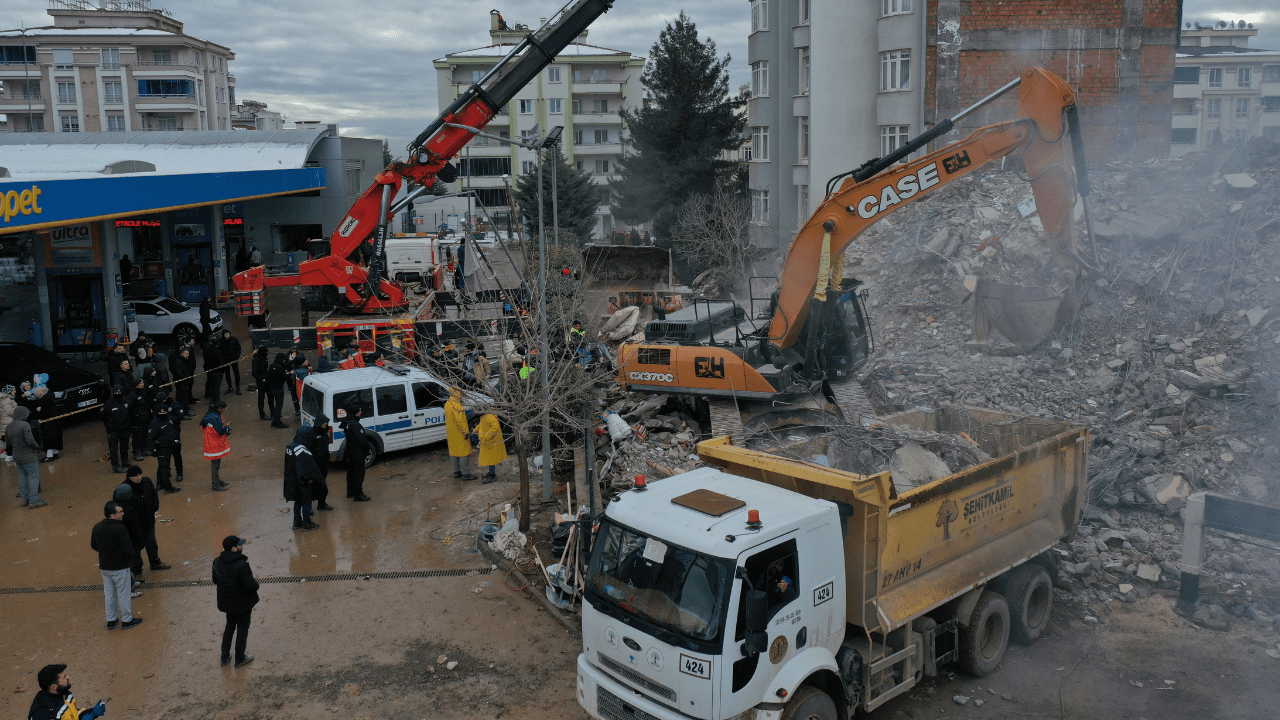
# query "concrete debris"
(1240, 181)
(913, 466)
(961, 699)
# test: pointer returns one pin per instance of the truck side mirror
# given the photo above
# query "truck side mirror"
(756, 606)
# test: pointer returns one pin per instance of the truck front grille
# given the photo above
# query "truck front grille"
(611, 707)
(637, 679)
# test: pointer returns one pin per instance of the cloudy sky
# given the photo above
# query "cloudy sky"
(367, 66)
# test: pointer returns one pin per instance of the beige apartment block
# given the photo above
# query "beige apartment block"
(1223, 90)
(113, 66)
(584, 91)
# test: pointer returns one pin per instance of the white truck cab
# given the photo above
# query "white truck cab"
(403, 406)
(666, 632)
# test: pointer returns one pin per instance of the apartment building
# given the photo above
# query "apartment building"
(254, 115)
(584, 91)
(1223, 90)
(113, 66)
(835, 84)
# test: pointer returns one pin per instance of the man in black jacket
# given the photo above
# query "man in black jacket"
(354, 454)
(133, 524)
(318, 444)
(184, 371)
(55, 701)
(277, 377)
(139, 417)
(115, 418)
(146, 503)
(300, 477)
(213, 372)
(259, 370)
(230, 347)
(115, 555)
(177, 413)
(237, 594)
(162, 438)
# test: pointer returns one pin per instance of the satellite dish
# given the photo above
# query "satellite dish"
(1250, 26)
(1240, 24)
(1188, 26)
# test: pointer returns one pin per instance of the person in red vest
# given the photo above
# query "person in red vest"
(217, 443)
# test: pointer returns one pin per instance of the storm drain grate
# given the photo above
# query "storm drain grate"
(264, 581)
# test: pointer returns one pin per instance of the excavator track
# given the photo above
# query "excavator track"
(726, 420)
(853, 401)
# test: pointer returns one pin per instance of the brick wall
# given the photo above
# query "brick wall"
(1116, 54)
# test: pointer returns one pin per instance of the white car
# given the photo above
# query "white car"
(401, 406)
(166, 315)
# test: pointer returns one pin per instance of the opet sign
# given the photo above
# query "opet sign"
(20, 202)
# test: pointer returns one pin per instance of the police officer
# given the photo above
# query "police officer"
(115, 417)
(139, 417)
(318, 444)
(357, 450)
(162, 439)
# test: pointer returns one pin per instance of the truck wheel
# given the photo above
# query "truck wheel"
(810, 703)
(1030, 594)
(984, 641)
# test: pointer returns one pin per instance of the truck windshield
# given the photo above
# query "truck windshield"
(678, 589)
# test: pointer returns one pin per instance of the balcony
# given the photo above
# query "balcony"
(598, 149)
(152, 128)
(1186, 120)
(596, 88)
(1187, 90)
(596, 118)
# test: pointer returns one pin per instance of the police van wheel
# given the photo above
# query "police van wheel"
(984, 641)
(1030, 594)
(372, 457)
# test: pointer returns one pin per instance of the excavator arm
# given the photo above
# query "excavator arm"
(363, 287)
(1045, 111)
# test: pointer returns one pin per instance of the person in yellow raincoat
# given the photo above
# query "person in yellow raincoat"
(459, 433)
(492, 448)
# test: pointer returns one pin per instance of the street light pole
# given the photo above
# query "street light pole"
(543, 345)
(555, 204)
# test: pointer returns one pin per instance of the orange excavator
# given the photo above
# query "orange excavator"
(349, 283)
(817, 337)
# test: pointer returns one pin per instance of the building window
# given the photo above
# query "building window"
(1214, 107)
(64, 58)
(577, 137)
(802, 11)
(35, 123)
(599, 75)
(760, 206)
(30, 89)
(67, 93)
(1215, 77)
(18, 55)
(1271, 104)
(231, 94)
(1186, 75)
(204, 121)
(1271, 74)
(165, 88)
(555, 106)
(602, 167)
(1242, 107)
(115, 123)
(167, 122)
(804, 71)
(577, 106)
(760, 143)
(526, 107)
(195, 57)
(484, 167)
(222, 123)
(602, 137)
(895, 7)
(528, 167)
(802, 200)
(895, 70)
(1244, 77)
(112, 92)
(162, 57)
(804, 138)
(577, 165)
(1183, 136)
(70, 122)
(476, 75)
(553, 74)
(601, 106)
(892, 137)
(746, 151)
(352, 178)
(760, 79)
(110, 57)
(759, 15)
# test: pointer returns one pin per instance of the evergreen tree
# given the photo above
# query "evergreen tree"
(577, 199)
(676, 139)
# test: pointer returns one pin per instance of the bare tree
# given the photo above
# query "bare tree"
(713, 231)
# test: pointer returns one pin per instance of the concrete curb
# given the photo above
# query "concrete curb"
(539, 597)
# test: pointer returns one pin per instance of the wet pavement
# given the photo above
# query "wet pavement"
(312, 637)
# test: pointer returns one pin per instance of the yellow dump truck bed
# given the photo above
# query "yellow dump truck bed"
(907, 554)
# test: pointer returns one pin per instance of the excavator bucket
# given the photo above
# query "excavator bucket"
(629, 273)
(1024, 314)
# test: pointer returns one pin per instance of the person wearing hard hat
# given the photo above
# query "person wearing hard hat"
(455, 420)
(492, 448)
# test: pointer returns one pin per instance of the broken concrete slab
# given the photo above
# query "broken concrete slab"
(1166, 489)
(913, 466)
(1150, 573)
(1240, 181)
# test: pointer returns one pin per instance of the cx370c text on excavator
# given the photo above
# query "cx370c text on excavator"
(816, 337)
(348, 284)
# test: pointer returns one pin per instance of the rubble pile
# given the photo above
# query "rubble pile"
(1171, 361)
(658, 441)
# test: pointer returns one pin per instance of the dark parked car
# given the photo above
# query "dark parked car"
(72, 387)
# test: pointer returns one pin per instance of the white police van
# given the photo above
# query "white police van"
(403, 406)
